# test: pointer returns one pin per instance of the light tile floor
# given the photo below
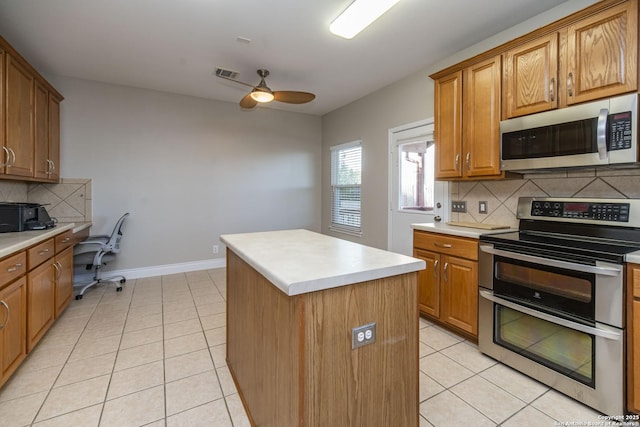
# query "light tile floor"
(154, 355)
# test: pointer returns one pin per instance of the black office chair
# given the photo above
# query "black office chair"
(94, 252)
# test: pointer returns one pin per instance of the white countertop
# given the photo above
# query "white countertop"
(443, 228)
(301, 261)
(14, 242)
(633, 257)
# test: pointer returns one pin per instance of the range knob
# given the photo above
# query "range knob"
(547, 205)
(556, 213)
(556, 205)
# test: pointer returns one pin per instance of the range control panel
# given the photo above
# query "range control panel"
(618, 212)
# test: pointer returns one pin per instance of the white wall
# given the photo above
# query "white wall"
(187, 169)
(406, 101)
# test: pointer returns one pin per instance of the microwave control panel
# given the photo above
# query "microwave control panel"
(619, 131)
(618, 212)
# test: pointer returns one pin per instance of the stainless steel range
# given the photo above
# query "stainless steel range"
(552, 295)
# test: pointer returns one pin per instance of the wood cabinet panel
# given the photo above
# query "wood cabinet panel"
(41, 119)
(19, 118)
(40, 302)
(460, 293)
(602, 54)
(54, 138)
(63, 280)
(12, 267)
(481, 118)
(64, 240)
(446, 244)
(448, 125)
(531, 77)
(40, 253)
(429, 283)
(13, 341)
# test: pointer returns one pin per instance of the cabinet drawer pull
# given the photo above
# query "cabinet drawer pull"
(44, 251)
(14, 268)
(8, 315)
(444, 271)
(443, 245)
(66, 239)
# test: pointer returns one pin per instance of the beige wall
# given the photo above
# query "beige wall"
(187, 169)
(406, 101)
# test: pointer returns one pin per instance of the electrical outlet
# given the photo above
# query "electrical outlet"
(483, 207)
(216, 249)
(363, 335)
(459, 206)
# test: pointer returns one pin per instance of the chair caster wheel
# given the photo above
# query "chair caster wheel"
(123, 280)
(78, 297)
(119, 289)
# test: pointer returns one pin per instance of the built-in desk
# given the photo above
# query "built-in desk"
(293, 299)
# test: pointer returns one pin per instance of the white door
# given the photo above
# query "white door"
(414, 195)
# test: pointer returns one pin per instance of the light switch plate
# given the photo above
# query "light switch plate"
(483, 207)
(459, 206)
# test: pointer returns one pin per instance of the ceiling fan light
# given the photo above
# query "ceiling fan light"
(261, 96)
(358, 16)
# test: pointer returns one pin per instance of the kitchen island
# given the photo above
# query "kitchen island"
(293, 300)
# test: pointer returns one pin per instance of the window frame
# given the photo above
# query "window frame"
(344, 227)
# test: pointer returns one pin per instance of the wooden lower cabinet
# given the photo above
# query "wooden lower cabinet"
(13, 328)
(633, 338)
(40, 302)
(448, 287)
(64, 280)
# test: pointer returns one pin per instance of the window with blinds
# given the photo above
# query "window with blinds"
(346, 173)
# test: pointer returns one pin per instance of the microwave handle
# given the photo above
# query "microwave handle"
(601, 137)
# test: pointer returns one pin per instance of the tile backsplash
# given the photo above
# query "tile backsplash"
(68, 201)
(502, 196)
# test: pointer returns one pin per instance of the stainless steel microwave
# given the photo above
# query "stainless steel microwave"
(600, 133)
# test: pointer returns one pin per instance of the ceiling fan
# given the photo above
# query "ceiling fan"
(262, 93)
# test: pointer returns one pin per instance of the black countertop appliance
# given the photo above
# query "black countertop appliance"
(23, 217)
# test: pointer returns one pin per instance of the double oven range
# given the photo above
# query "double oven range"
(552, 295)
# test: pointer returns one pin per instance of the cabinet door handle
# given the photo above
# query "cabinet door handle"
(457, 161)
(443, 245)
(467, 161)
(444, 271)
(435, 268)
(13, 158)
(552, 84)
(58, 268)
(8, 314)
(7, 156)
(14, 268)
(570, 84)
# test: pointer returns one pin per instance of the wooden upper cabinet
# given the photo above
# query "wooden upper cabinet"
(602, 54)
(54, 137)
(448, 125)
(467, 121)
(481, 118)
(531, 77)
(41, 119)
(19, 143)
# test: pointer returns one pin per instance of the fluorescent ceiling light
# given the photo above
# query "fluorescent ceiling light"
(358, 16)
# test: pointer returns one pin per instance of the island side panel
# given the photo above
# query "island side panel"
(263, 345)
(374, 385)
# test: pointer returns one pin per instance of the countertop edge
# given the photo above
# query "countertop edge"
(329, 281)
(473, 233)
(11, 243)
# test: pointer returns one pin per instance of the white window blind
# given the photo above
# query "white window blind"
(346, 174)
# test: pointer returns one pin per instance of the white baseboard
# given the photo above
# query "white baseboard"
(158, 270)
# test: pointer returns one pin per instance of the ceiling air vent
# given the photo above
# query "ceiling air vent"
(221, 72)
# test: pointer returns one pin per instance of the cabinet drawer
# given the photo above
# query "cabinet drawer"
(445, 244)
(64, 240)
(12, 267)
(40, 253)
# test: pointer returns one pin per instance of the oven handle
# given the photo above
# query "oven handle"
(610, 335)
(603, 271)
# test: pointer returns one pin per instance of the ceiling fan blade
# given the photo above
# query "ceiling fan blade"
(293, 97)
(248, 102)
